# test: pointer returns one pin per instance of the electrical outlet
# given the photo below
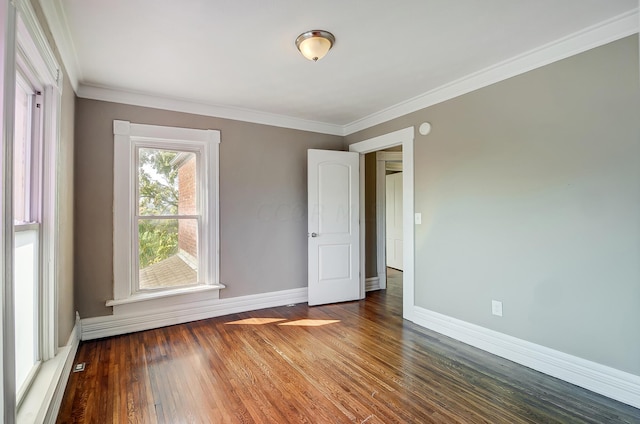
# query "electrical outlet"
(418, 218)
(496, 307)
(79, 367)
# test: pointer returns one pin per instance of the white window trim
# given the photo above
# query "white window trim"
(25, 39)
(35, 56)
(126, 135)
(7, 114)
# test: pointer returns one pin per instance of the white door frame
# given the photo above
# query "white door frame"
(381, 211)
(404, 137)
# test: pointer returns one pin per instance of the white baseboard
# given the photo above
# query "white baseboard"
(112, 325)
(607, 381)
(42, 402)
(372, 283)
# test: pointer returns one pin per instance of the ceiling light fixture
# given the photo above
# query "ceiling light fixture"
(315, 44)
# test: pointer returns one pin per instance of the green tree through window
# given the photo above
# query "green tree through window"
(158, 195)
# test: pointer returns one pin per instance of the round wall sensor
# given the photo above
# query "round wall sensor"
(425, 128)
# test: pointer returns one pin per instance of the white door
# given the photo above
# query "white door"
(394, 220)
(333, 226)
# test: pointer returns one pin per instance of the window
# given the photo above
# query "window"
(27, 169)
(31, 87)
(168, 218)
(32, 208)
(165, 211)
(26, 145)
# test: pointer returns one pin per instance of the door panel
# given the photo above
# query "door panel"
(334, 198)
(334, 262)
(333, 227)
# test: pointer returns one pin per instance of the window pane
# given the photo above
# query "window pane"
(21, 157)
(166, 182)
(26, 279)
(168, 252)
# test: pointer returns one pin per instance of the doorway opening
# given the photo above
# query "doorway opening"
(389, 220)
(403, 139)
(384, 221)
(389, 209)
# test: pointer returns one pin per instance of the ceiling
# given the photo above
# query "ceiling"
(241, 55)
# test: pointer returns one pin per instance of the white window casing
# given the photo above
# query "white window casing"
(35, 57)
(128, 137)
(28, 52)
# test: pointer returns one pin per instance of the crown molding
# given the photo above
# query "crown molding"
(57, 20)
(591, 37)
(218, 111)
(597, 35)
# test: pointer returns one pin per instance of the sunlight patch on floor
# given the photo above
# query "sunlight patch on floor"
(256, 321)
(311, 322)
(306, 322)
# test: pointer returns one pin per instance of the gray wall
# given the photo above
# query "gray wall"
(263, 197)
(530, 194)
(64, 265)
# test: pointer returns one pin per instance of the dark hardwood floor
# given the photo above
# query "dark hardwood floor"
(356, 362)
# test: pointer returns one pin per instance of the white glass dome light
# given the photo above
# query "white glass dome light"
(315, 44)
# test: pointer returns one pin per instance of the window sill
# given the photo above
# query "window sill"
(41, 402)
(142, 297)
(37, 398)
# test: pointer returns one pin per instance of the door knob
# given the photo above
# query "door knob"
(314, 234)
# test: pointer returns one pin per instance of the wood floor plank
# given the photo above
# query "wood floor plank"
(355, 362)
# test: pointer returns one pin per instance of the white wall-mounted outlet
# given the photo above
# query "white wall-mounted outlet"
(496, 307)
(418, 218)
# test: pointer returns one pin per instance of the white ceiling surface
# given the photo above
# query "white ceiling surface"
(241, 54)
